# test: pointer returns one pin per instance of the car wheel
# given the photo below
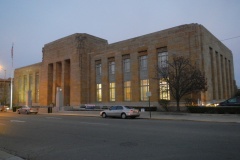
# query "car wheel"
(104, 115)
(124, 116)
(18, 112)
(26, 112)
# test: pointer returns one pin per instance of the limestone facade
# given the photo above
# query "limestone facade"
(91, 71)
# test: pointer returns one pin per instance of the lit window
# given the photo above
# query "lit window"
(99, 92)
(127, 91)
(144, 89)
(112, 91)
(163, 85)
(164, 90)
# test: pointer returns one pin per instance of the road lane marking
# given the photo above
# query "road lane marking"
(53, 118)
(103, 124)
(18, 121)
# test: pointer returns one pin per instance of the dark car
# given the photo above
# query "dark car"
(235, 101)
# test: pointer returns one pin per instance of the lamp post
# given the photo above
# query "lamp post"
(149, 94)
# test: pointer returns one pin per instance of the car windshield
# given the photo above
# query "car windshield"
(232, 100)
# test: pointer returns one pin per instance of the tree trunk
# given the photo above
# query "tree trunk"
(178, 107)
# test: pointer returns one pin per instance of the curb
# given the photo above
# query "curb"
(7, 156)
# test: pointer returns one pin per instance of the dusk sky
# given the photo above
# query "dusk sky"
(30, 24)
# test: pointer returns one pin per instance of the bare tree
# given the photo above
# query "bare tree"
(182, 77)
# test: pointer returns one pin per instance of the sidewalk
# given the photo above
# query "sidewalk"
(224, 118)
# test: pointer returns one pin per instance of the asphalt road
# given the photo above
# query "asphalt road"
(44, 137)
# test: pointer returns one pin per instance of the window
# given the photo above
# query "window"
(98, 81)
(37, 87)
(163, 63)
(127, 91)
(143, 63)
(99, 92)
(164, 90)
(113, 108)
(144, 89)
(24, 87)
(112, 91)
(119, 108)
(162, 59)
(98, 69)
(30, 82)
(126, 65)
(111, 67)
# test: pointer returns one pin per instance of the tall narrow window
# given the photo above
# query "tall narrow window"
(127, 77)
(127, 91)
(99, 92)
(144, 81)
(24, 87)
(111, 79)
(126, 65)
(30, 82)
(20, 89)
(144, 89)
(143, 63)
(112, 91)
(163, 64)
(98, 67)
(111, 67)
(164, 90)
(162, 59)
(37, 87)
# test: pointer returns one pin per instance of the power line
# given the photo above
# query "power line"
(230, 38)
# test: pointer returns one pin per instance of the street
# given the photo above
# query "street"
(46, 136)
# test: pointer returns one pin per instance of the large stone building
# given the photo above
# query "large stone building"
(5, 91)
(88, 70)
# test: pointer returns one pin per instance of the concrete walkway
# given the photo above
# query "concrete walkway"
(219, 118)
(224, 118)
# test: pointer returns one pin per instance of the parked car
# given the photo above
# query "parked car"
(27, 110)
(87, 106)
(235, 101)
(120, 111)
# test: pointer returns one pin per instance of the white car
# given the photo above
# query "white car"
(27, 110)
(120, 111)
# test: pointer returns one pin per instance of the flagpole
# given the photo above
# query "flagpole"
(11, 78)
